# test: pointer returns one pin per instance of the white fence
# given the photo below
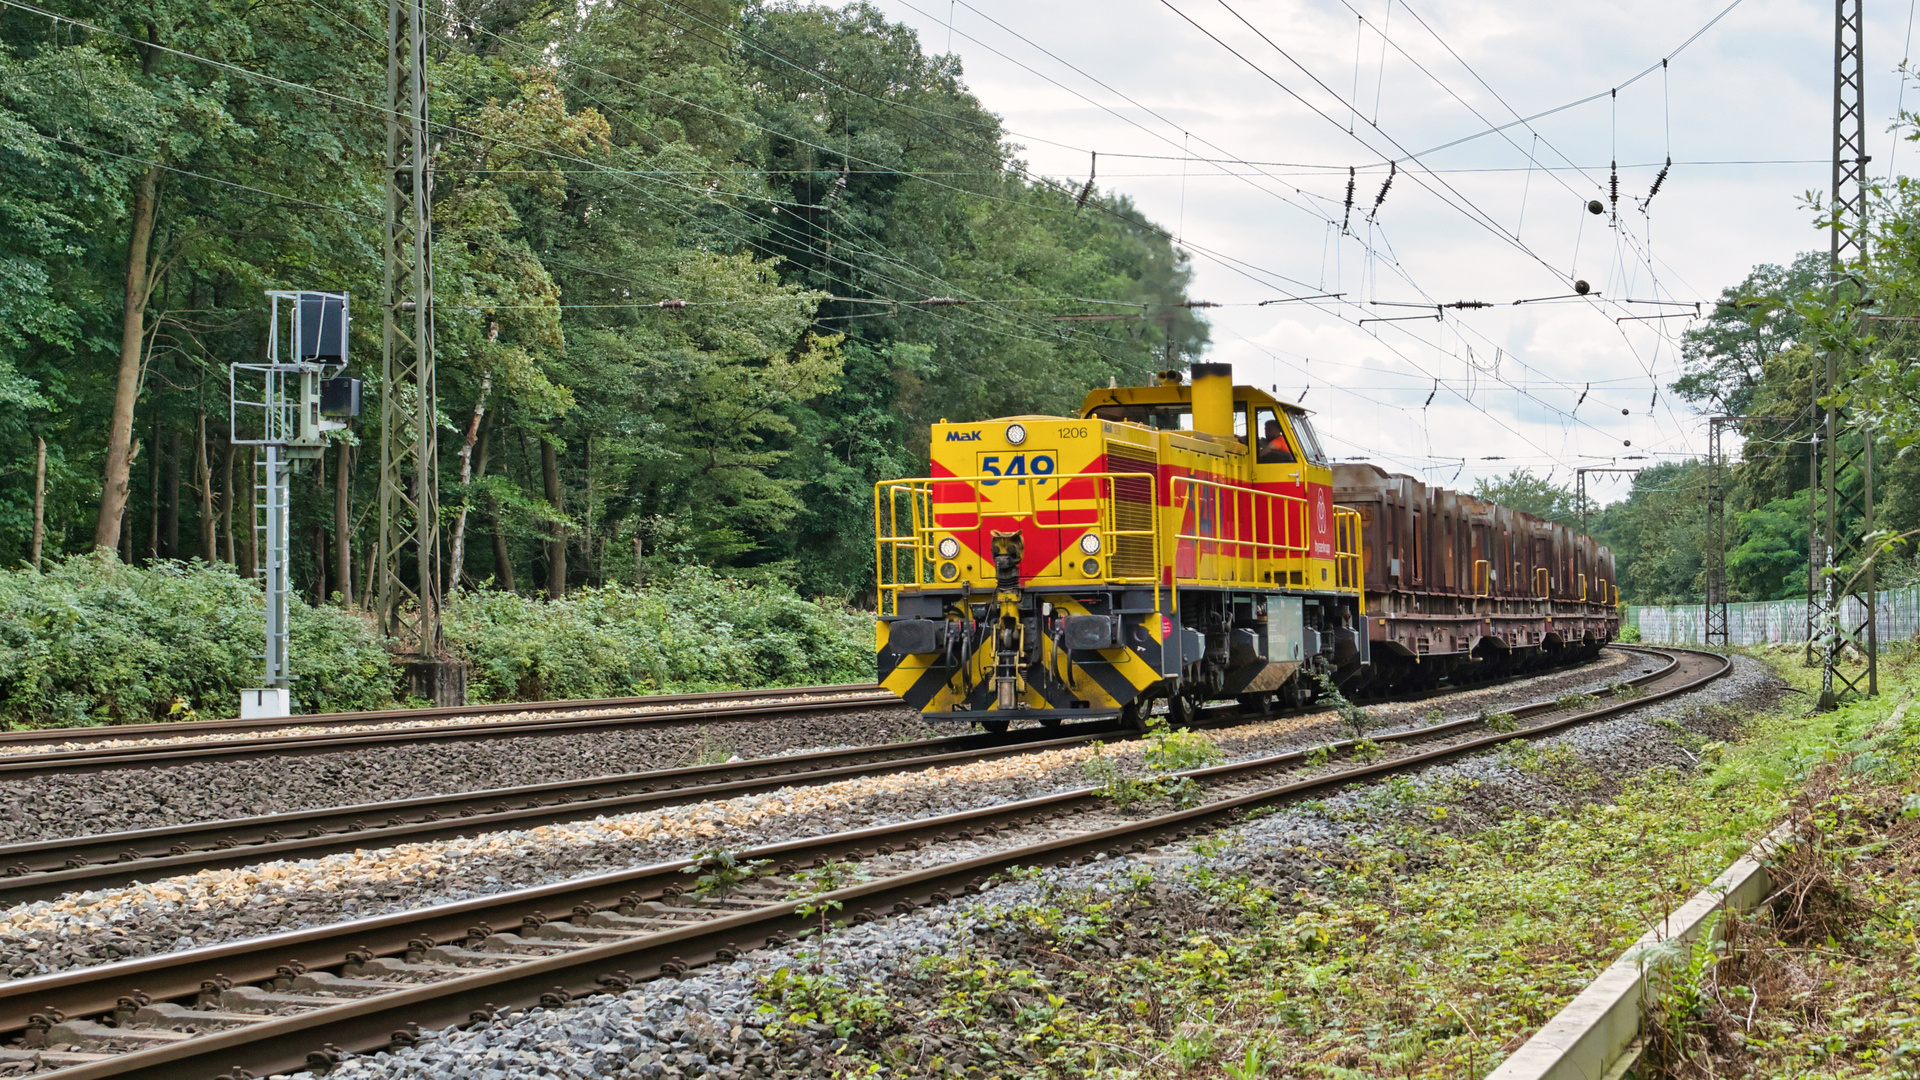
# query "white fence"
(1772, 621)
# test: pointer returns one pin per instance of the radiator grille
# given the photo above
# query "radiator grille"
(1133, 499)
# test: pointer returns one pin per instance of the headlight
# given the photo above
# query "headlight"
(1016, 434)
(1090, 543)
(1091, 568)
(949, 548)
(948, 571)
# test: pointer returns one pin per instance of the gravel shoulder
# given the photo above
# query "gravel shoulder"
(739, 1022)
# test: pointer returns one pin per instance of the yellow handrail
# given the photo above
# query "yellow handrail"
(1234, 535)
(1348, 573)
(905, 521)
(1482, 578)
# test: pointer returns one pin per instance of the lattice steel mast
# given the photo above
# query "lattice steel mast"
(408, 557)
(1828, 622)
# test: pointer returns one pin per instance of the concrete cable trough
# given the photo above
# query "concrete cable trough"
(296, 999)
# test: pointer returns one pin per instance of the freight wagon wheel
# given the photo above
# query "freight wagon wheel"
(994, 727)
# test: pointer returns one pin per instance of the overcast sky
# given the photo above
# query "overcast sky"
(1254, 180)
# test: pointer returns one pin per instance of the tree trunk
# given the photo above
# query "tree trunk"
(153, 489)
(320, 592)
(203, 472)
(39, 497)
(319, 533)
(126, 386)
(343, 524)
(586, 523)
(171, 516)
(456, 564)
(557, 545)
(226, 503)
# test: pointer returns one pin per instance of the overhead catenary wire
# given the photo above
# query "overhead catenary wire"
(711, 193)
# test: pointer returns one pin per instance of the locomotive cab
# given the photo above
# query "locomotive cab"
(1176, 541)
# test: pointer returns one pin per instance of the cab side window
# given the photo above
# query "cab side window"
(1271, 446)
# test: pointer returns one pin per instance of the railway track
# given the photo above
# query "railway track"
(299, 999)
(212, 741)
(46, 869)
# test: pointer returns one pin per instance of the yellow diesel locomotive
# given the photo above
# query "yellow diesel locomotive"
(1173, 542)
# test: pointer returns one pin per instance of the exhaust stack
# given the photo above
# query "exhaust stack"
(1213, 399)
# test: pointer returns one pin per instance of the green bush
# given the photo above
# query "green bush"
(90, 640)
(700, 632)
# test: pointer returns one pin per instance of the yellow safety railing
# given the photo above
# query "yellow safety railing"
(1583, 588)
(907, 518)
(1482, 578)
(1543, 585)
(1241, 535)
(1348, 575)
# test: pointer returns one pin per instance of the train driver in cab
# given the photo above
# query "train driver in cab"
(1273, 446)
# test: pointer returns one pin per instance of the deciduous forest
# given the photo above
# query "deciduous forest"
(705, 270)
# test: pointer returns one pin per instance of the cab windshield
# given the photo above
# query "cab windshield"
(1171, 416)
(1308, 440)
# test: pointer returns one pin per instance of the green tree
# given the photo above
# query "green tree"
(1536, 495)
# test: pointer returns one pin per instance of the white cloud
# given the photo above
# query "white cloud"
(1756, 87)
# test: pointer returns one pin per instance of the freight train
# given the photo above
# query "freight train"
(1190, 541)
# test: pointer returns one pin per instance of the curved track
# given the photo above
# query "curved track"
(292, 1000)
(45, 869)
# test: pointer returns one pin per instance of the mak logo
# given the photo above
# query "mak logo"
(963, 436)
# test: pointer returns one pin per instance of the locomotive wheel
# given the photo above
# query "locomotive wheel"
(994, 727)
(1182, 711)
(1133, 716)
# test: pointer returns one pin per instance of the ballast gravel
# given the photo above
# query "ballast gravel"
(80, 804)
(86, 929)
(711, 1023)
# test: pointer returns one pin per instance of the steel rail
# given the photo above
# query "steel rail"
(641, 711)
(284, 1043)
(45, 869)
(24, 766)
(172, 729)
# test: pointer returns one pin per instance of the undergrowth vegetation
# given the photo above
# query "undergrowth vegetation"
(1447, 927)
(1821, 980)
(698, 631)
(89, 640)
(1167, 753)
(94, 641)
